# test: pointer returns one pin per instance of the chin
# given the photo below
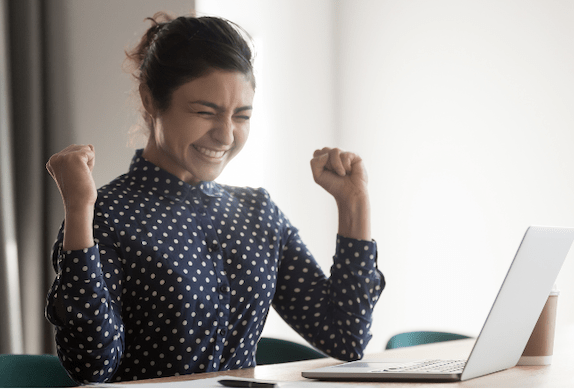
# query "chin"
(209, 177)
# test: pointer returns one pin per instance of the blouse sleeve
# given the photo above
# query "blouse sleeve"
(84, 304)
(333, 314)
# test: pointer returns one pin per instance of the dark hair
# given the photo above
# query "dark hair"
(173, 52)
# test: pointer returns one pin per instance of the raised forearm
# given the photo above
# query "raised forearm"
(355, 218)
(78, 228)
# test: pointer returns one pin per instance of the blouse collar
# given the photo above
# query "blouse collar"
(153, 178)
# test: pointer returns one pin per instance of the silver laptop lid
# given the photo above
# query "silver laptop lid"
(509, 324)
(520, 300)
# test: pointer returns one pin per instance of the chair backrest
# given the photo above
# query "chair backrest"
(33, 371)
(409, 339)
(272, 351)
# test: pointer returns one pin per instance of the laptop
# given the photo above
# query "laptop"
(506, 330)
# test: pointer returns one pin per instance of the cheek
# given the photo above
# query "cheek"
(242, 135)
(179, 133)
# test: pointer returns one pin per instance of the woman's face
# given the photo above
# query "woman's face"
(204, 127)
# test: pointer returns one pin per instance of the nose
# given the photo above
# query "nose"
(223, 131)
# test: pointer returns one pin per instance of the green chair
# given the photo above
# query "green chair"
(33, 371)
(409, 339)
(272, 351)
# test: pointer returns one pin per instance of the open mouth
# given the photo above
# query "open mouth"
(209, 152)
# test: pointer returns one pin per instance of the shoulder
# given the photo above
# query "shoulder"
(247, 195)
(255, 200)
(118, 200)
(114, 189)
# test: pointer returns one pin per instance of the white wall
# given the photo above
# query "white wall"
(463, 113)
(461, 109)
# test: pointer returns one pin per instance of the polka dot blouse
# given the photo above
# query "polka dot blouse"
(182, 277)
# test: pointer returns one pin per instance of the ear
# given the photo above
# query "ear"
(147, 100)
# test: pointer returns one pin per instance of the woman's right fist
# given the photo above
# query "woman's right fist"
(71, 169)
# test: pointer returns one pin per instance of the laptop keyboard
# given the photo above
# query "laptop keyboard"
(438, 366)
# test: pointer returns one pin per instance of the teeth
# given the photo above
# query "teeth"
(211, 153)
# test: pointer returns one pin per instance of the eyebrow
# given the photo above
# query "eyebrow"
(218, 108)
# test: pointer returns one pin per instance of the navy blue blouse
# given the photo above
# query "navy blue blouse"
(182, 277)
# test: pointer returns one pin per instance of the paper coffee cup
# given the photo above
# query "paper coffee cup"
(540, 346)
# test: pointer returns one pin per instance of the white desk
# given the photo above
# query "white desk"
(559, 374)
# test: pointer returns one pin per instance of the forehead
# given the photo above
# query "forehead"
(218, 86)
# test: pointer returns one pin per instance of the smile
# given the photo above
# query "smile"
(209, 152)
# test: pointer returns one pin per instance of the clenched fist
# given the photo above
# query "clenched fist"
(72, 171)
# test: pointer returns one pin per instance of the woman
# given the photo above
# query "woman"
(165, 272)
